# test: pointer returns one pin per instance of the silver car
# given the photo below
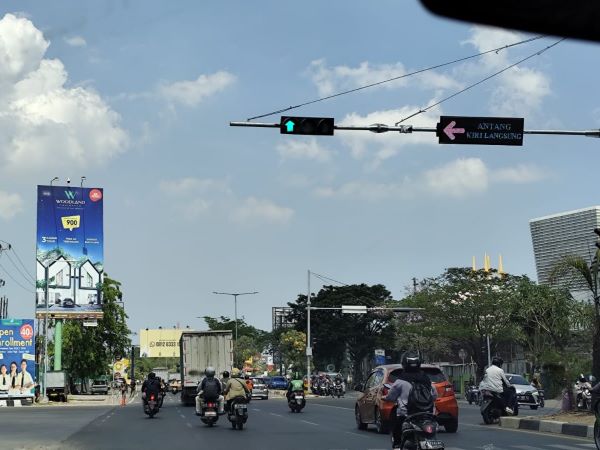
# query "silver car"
(527, 395)
(259, 389)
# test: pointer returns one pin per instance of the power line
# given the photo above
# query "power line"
(21, 262)
(13, 278)
(25, 275)
(324, 278)
(360, 88)
(481, 81)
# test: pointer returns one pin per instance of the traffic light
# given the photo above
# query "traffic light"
(597, 231)
(314, 126)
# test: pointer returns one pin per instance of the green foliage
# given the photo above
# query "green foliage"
(251, 340)
(338, 334)
(292, 345)
(88, 351)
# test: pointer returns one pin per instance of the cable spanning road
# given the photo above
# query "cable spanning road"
(325, 424)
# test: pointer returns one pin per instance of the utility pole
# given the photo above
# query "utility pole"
(414, 280)
(308, 342)
(235, 296)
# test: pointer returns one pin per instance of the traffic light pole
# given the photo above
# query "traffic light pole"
(406, 129)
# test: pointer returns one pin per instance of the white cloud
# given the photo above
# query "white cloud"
(75, 41)
(461, 178)
(262, 210)
(518, 91)
(330, 80)
(43, 124)
(10, 205)
(304, 149)
(380, 147)
(192, 93)
(193, 197)
(520, 174)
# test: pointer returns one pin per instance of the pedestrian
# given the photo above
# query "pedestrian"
(123, 386)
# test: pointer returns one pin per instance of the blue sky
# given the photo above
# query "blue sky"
(137, 96)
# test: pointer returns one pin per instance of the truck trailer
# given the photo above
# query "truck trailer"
(199, 350)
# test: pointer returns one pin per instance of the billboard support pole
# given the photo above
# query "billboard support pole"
(58, 344)
(46, 294)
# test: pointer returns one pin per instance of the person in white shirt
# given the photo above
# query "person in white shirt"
(13, 388)
(495, 381)
(4, 378)
(24, 379)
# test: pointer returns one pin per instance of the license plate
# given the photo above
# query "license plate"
(431, 445)
(210, 413)
(299, 397)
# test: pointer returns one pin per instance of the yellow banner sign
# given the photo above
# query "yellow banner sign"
(70, 222)
(160, 343)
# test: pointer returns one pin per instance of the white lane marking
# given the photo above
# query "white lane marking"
(132, 399)
(188, 424)
(565, 447)
(526, 447)
(278, 415)
(255, 409)
(587, 445)
(310, 423)
(331, 406)
(356, 434)
(182, 416)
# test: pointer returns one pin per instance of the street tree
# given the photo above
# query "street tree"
(336, 335)
(464, 307)
(88, 351)
(576, 271)
(292, 344)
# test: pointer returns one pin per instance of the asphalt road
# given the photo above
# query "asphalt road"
(325, 424)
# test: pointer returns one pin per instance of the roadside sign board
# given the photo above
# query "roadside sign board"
(480, 130)
(354, 309)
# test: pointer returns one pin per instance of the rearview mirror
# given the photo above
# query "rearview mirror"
(578, 19)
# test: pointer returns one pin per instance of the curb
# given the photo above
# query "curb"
(548, 426)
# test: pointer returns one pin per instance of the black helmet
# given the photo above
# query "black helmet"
(497, 361)
(582, 378)
(209, 372)
(225, 374)
(411, 361)
(151, 376)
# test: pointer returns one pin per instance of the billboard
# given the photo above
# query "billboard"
(17, 359)
(160, 343)
(70, 251)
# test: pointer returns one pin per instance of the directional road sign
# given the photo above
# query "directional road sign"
(480, 130)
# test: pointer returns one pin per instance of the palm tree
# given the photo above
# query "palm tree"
(577, 269)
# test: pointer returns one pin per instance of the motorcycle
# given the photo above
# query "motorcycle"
(338, 390)
(419, 431)
(584, 399)
(151, 407)
(296, 401)
(541, 397)
(238, 413)
(491, 406)
(473, 394)
(597, 424)
(209, 414)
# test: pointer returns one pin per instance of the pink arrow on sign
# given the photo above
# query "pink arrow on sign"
(451, 131)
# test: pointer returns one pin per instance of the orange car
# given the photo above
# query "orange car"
(371, 408)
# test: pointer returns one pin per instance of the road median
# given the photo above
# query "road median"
(565, 424)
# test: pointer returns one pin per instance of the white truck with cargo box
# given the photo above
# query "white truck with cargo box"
(57, 385)
(198, 350)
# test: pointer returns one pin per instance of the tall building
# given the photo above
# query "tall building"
(563, 234)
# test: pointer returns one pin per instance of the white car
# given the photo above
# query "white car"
(527, 395)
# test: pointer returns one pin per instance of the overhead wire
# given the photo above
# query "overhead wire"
(416, 72)
(12, 247)
(545, 49)
(25, 275)
(15, 280)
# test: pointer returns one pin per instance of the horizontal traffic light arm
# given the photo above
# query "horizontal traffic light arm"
(382, 128)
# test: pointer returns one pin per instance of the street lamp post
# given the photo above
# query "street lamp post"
(235, 296)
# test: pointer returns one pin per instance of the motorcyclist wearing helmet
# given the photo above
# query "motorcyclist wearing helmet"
(580, 386)
(400, 390)
(209, 389)
(235, 387)
(495, 381)
(224, 378)
(150, 386)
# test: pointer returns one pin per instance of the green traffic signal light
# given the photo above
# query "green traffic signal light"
(311, 126)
